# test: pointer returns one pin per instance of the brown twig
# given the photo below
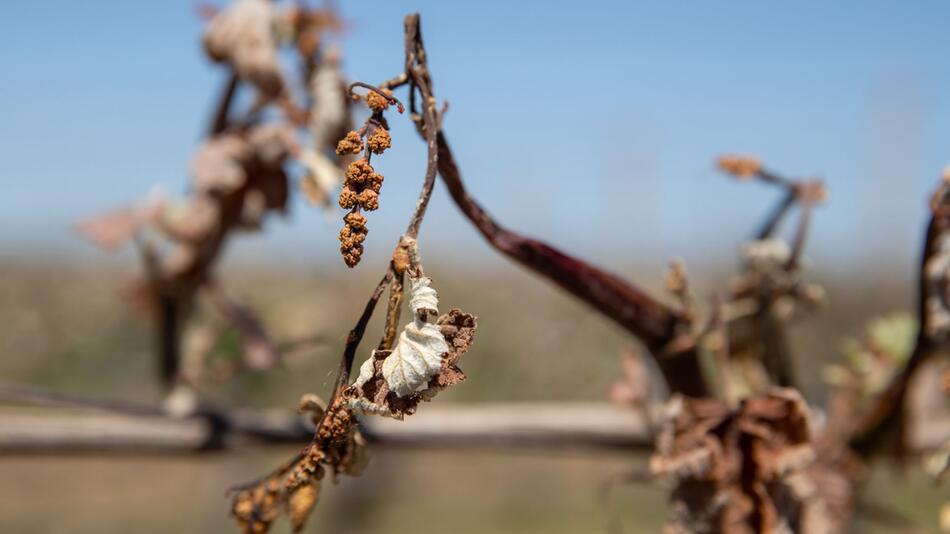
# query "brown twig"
(390, 98)
(393, 311)
(356, 335)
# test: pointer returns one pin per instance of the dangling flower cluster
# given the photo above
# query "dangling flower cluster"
(362, 182)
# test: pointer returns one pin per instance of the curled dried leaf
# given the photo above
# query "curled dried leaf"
(416, 358)
(300, 504)
(218, 165)
(330, 116)
(112, 230)
(423, 298)
(256, 508)
(371, 394)
(191, 220)
(321, 179)
(742, 470)
(311, 405)
(243, 35)
(273, 143)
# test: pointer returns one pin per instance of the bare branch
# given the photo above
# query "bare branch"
(562, 427)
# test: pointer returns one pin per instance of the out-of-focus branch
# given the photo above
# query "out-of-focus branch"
(219, 121)
(886, 417)
(762, 334)
(591, 426)
(569, 427)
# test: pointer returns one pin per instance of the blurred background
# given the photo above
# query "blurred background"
(594, 126)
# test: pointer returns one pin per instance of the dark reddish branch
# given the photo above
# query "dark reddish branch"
(885, 419)
(646, 318)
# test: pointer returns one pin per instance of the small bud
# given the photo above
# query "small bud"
(376, 101)
(353, 256)
(348, 198)
(356, 221)
(369, 200)
(379, 141)
(358, 172)
(375, 181)
(351, 144)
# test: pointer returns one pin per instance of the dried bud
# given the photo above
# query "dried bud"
(351, 238)
(379, 141)
(243, 35)
(369, 200)
(400, 261)
(358, 172)
(351, 144)
(348, 198)
(345, 233)
(356, 221)
(353, 255)
(742, 167)
(376, 101)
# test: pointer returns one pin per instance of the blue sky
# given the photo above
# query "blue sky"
(592, 124)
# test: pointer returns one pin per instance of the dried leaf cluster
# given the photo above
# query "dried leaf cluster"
(741, 470)
(423, 362)
(240, 174)
(391, 383)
